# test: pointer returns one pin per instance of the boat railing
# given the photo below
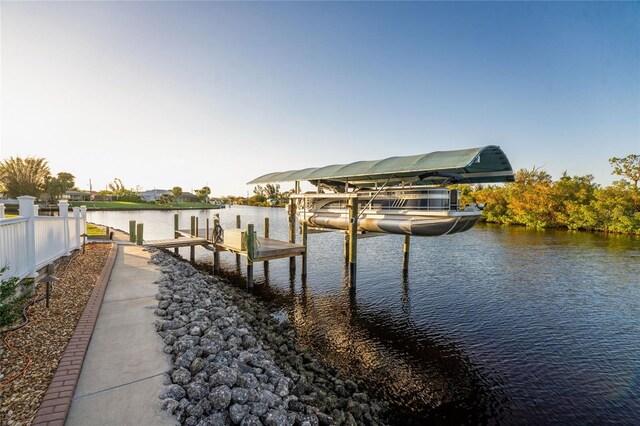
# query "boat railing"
(424, 200)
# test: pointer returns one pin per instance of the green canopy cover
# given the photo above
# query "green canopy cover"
(475, 165)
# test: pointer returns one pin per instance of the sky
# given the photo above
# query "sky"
(163, 94)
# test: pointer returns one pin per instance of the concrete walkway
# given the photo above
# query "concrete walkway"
(123, 370)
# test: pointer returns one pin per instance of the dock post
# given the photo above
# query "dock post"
(176, 219)
(139, 234)
(346, 247)
(304, 243)
(207, 230)
(353, 240)
(266, 235)
(196, 229)
(192, 249)
(250, 254)
(216, 253)
(238, 227)
(132, 231)
(292, 231)
(405, 249)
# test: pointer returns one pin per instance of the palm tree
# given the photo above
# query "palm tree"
(24, 176)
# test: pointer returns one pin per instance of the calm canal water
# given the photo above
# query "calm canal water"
(495, 325)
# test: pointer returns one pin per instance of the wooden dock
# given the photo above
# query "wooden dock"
(268, 249)
(261, 249)
(177, 242)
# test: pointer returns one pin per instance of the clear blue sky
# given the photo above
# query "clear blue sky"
(173, 93)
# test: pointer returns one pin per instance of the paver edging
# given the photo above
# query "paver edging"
(55, 404)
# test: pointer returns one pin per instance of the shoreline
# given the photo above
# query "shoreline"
(234, 362)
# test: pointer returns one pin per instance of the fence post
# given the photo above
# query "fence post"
(26, 210)
(2, 207)
(76, 216)
(83, 214)
(36, 210)
(63, 212)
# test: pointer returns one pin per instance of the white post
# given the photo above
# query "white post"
(26, 210)
(76, 215)
(83, 214)
(2, 207)
(63, 212)
(36, 210)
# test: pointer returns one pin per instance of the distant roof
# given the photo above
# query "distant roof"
(73, 192)
(154, 192)
(474, 165)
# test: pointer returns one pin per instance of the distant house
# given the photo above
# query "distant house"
(187, 197)
(76, 196)
(96, 196)
(153, 194)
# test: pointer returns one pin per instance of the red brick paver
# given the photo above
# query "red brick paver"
(57, 400)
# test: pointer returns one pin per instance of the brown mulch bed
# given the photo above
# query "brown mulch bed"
(44, 339)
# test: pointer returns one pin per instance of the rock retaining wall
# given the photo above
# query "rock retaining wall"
(233, 364)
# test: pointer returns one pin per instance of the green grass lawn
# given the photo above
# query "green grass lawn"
(94, 230)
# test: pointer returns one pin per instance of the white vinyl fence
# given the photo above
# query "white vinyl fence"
(29, 242)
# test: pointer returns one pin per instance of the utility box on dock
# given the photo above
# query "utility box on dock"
(237, 239)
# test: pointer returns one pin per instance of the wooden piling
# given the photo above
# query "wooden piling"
(250, 254)
(266, 235)
(207, 230)
(304, 243)
(176, 220)
(216, 253)
(132, 231)
(139, 234)
(353, 240)
(238, 227)
(192, 249)
(292, 230)
(405, 250)
(346, 247)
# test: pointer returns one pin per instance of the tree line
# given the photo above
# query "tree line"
(572, 202)
(534, 199)
(32, 176)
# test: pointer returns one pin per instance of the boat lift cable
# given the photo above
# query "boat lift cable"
(373, 198)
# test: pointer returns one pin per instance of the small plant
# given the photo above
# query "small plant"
(10, 303)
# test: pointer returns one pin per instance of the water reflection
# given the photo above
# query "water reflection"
(494, 325)
(424, 377)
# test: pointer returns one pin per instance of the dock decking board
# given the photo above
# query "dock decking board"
(177, 242)
(268, 248)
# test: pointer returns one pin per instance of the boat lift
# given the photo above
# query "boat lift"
(397, 195)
